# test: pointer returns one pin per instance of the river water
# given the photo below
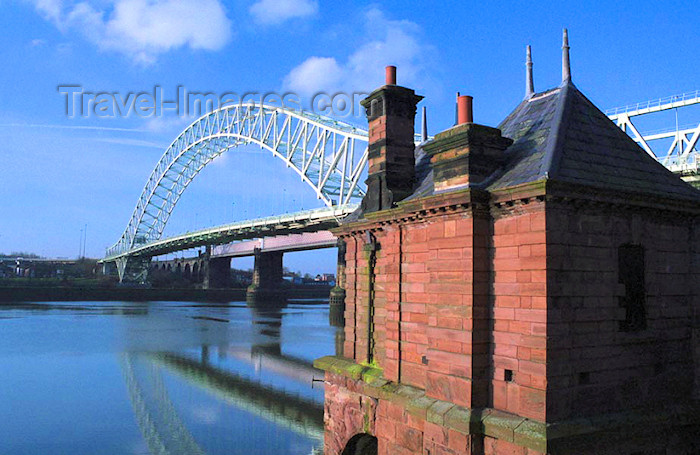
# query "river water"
(162, 378)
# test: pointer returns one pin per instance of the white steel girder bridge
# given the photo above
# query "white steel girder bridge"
(330, 156)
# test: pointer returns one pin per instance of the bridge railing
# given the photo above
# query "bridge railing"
(683, 165)
(656, 103)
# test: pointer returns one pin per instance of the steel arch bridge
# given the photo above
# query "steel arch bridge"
(328, 155)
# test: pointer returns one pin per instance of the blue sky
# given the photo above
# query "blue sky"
(61, 173)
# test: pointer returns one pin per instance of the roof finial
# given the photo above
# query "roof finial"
(456, 100)
(529, 83)
(565, 66)
(424, 127)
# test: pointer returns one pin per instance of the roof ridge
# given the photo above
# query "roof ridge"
(557, 135)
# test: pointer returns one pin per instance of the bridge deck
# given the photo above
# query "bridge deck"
(293, 223)
(287, 243)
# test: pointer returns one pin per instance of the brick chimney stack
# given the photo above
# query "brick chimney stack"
(391, 112)
(466, 154)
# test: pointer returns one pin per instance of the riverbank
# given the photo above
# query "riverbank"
(77, 293)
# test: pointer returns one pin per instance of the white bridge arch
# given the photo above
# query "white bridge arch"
(329, 155)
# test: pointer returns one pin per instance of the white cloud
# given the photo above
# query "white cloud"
(273, 12)
(143, 29)
(396, 42)
(51, 9)
(315, 74)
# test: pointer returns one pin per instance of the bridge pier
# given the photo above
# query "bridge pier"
(217, 272)
(267, 277)
(337, 297)
(133, 269)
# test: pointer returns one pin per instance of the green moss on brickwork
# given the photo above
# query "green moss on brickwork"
(419, 406)
(531, 434)
(500, 425)
(465, 420)
(436, 412)
(370, 374)
(409, 398)
(366, 417)
(377, 383)
(345, 367)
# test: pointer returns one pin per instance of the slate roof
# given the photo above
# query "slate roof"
(530, 126)
(560, 135)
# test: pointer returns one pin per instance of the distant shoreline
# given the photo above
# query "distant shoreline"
(65, 293)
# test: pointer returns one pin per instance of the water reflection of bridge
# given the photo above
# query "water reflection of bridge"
(161, 426)
(302, 415)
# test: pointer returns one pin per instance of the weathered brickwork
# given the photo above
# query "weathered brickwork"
(594, 366)
(407, 421)
(519, 318)
(352, 412)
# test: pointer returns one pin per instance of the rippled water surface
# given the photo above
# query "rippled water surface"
(161, 378)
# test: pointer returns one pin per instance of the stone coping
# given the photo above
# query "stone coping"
(498, 424)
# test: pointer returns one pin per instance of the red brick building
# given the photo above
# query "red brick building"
(526, 289)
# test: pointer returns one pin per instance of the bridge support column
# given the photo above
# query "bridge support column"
(267, 277)
(337, 297)
(217, 272)
(133, 269)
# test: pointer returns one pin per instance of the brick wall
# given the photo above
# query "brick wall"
(351, 297)
(518, 309)
(593, 366)
(404, 434)
(352, 413)
(519, 357)
(493, 446)
(440, 324)
(430, 304)
(447, 293)
(357, 343)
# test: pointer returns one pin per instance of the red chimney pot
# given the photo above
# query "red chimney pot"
(390, 75)
(464, 110)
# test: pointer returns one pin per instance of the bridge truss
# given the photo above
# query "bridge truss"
(676, 148)
(328, 155)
